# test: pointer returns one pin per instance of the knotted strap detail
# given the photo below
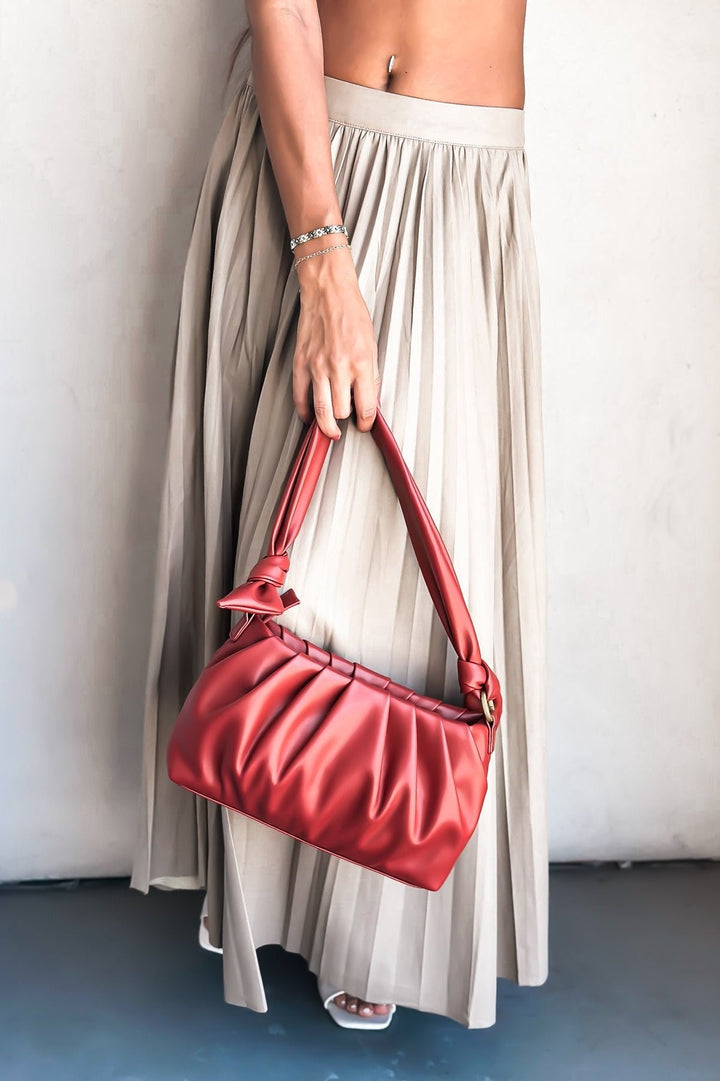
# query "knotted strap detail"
(260, 594)
(474, 678)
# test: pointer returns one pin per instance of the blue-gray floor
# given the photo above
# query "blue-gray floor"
(102, 983)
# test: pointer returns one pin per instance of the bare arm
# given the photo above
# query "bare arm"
(335, 351)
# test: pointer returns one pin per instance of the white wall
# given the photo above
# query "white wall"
(108, 114)
(624, 145)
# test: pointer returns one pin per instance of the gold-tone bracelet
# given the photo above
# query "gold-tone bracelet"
(321, 252)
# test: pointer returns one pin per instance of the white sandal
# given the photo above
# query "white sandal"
(345, 1019)
(339, 1015)
(203, 933)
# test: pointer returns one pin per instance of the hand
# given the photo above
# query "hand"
(336, 354)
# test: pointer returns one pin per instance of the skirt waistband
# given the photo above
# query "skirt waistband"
(389, 113)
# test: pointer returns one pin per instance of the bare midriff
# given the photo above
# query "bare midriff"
(464, 51)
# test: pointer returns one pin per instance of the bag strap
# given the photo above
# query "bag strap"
(260, 593)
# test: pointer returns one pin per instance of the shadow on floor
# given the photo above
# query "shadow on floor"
(102, 983)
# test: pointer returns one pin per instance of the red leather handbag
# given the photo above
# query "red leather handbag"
(324, 749)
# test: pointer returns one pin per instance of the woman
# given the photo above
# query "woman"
(403, 123)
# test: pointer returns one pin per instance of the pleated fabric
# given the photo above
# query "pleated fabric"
(436, 199)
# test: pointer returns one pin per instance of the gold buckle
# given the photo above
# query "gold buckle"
(488, 707)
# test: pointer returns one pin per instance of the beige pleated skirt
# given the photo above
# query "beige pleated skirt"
(436, 199)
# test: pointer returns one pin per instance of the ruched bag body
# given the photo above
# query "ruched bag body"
(323, 748)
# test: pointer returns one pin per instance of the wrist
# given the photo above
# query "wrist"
(326, 270)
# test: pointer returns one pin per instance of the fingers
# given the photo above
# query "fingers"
(322, 399)
(365, 396)
(318, 404)
(329, 391)
(341, 392)
(301, 383)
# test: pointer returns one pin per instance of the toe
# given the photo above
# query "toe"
(360, 1006)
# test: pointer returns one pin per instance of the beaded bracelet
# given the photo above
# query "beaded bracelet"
(317, 232)
(322, 251)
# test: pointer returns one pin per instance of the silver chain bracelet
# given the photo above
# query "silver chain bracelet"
(321, 252)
